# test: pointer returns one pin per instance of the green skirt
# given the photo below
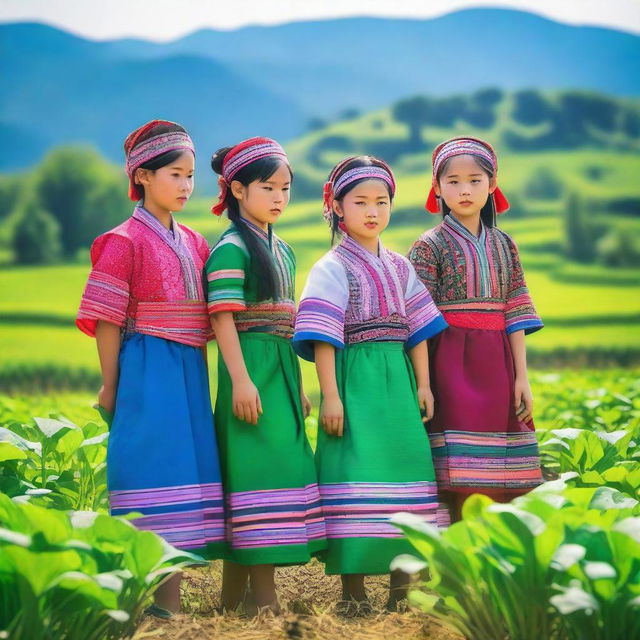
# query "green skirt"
(272, 505)
(381, 465)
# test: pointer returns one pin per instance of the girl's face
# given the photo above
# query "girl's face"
(262, 203)
(365, 210)
(167, 189)
(465, 186)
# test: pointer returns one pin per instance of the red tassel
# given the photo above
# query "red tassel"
(500, 201)
(221, 205)
(432, 205)
(327, 195)
(135, 192)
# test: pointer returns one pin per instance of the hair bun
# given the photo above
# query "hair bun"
(217, 159)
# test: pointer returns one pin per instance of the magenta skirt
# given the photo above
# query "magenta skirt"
(478, 443)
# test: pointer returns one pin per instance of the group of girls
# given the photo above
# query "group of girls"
(435, 339)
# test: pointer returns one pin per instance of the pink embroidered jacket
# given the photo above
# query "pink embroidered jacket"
(148, 279)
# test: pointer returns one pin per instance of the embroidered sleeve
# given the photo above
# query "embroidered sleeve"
(225, 273)
(425, 321)
(520, 314)
(106, 295)
(322, 308)
(425, 261)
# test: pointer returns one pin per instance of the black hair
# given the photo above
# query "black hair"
(488, 211)
(262, 267)
(163, 159)
(340, 169)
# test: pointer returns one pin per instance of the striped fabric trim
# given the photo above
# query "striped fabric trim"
(363, 509)
(187, 516)
(184, 321)
(268, 317)
(480, 305)
(520, 314)
(321, 317)
(224, 274)
(424, 318)
(105, 298)
(225, 287)
(486, 460)
(274, 517)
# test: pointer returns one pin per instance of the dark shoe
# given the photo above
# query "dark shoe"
(399, 605)
(346, 609)
(365, 609)
(158, 612)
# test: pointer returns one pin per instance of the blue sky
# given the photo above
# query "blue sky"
(163, 20)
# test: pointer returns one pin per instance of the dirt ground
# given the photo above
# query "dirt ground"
(308, 598)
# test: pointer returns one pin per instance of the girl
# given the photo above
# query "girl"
(271, 492)
(481, 434)
(144, 303)
(362, 311)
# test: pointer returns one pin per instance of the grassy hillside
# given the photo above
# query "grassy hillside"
(591, 311)
(586, 308)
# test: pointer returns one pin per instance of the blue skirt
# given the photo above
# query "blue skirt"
(162, 458)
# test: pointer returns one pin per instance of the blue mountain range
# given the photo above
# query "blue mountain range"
(226, 85)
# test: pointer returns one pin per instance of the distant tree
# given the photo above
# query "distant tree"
(414, 112)
(35, 235)
(377, 124)
(631, 123)
(590, 109)
(488, 98)
(11, 190)
(482, 118)
(446, 111)
(530, 108)
(568, 121)
(543, 185)
(83, 193)
(517, 205)
(619, 248)
(480, 107)
(580, 234)
(595, 172)
(314, 124)
(349, 114)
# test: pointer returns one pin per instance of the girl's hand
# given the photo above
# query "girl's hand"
(107, 398)
(523, 399)
(246, 401)
(426, 402)
(332, 415)
(306, 404)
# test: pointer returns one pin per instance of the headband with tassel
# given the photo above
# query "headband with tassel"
(240, 156)
(459, 147)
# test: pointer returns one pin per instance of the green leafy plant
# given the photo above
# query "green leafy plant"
(78, 576)
(589, 400)
(594, 459)
(55, 463)
(506, 570)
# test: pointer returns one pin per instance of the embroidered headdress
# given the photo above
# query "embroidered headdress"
(138, 153)
(459, 147)
(337, 181)
(240, 156)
